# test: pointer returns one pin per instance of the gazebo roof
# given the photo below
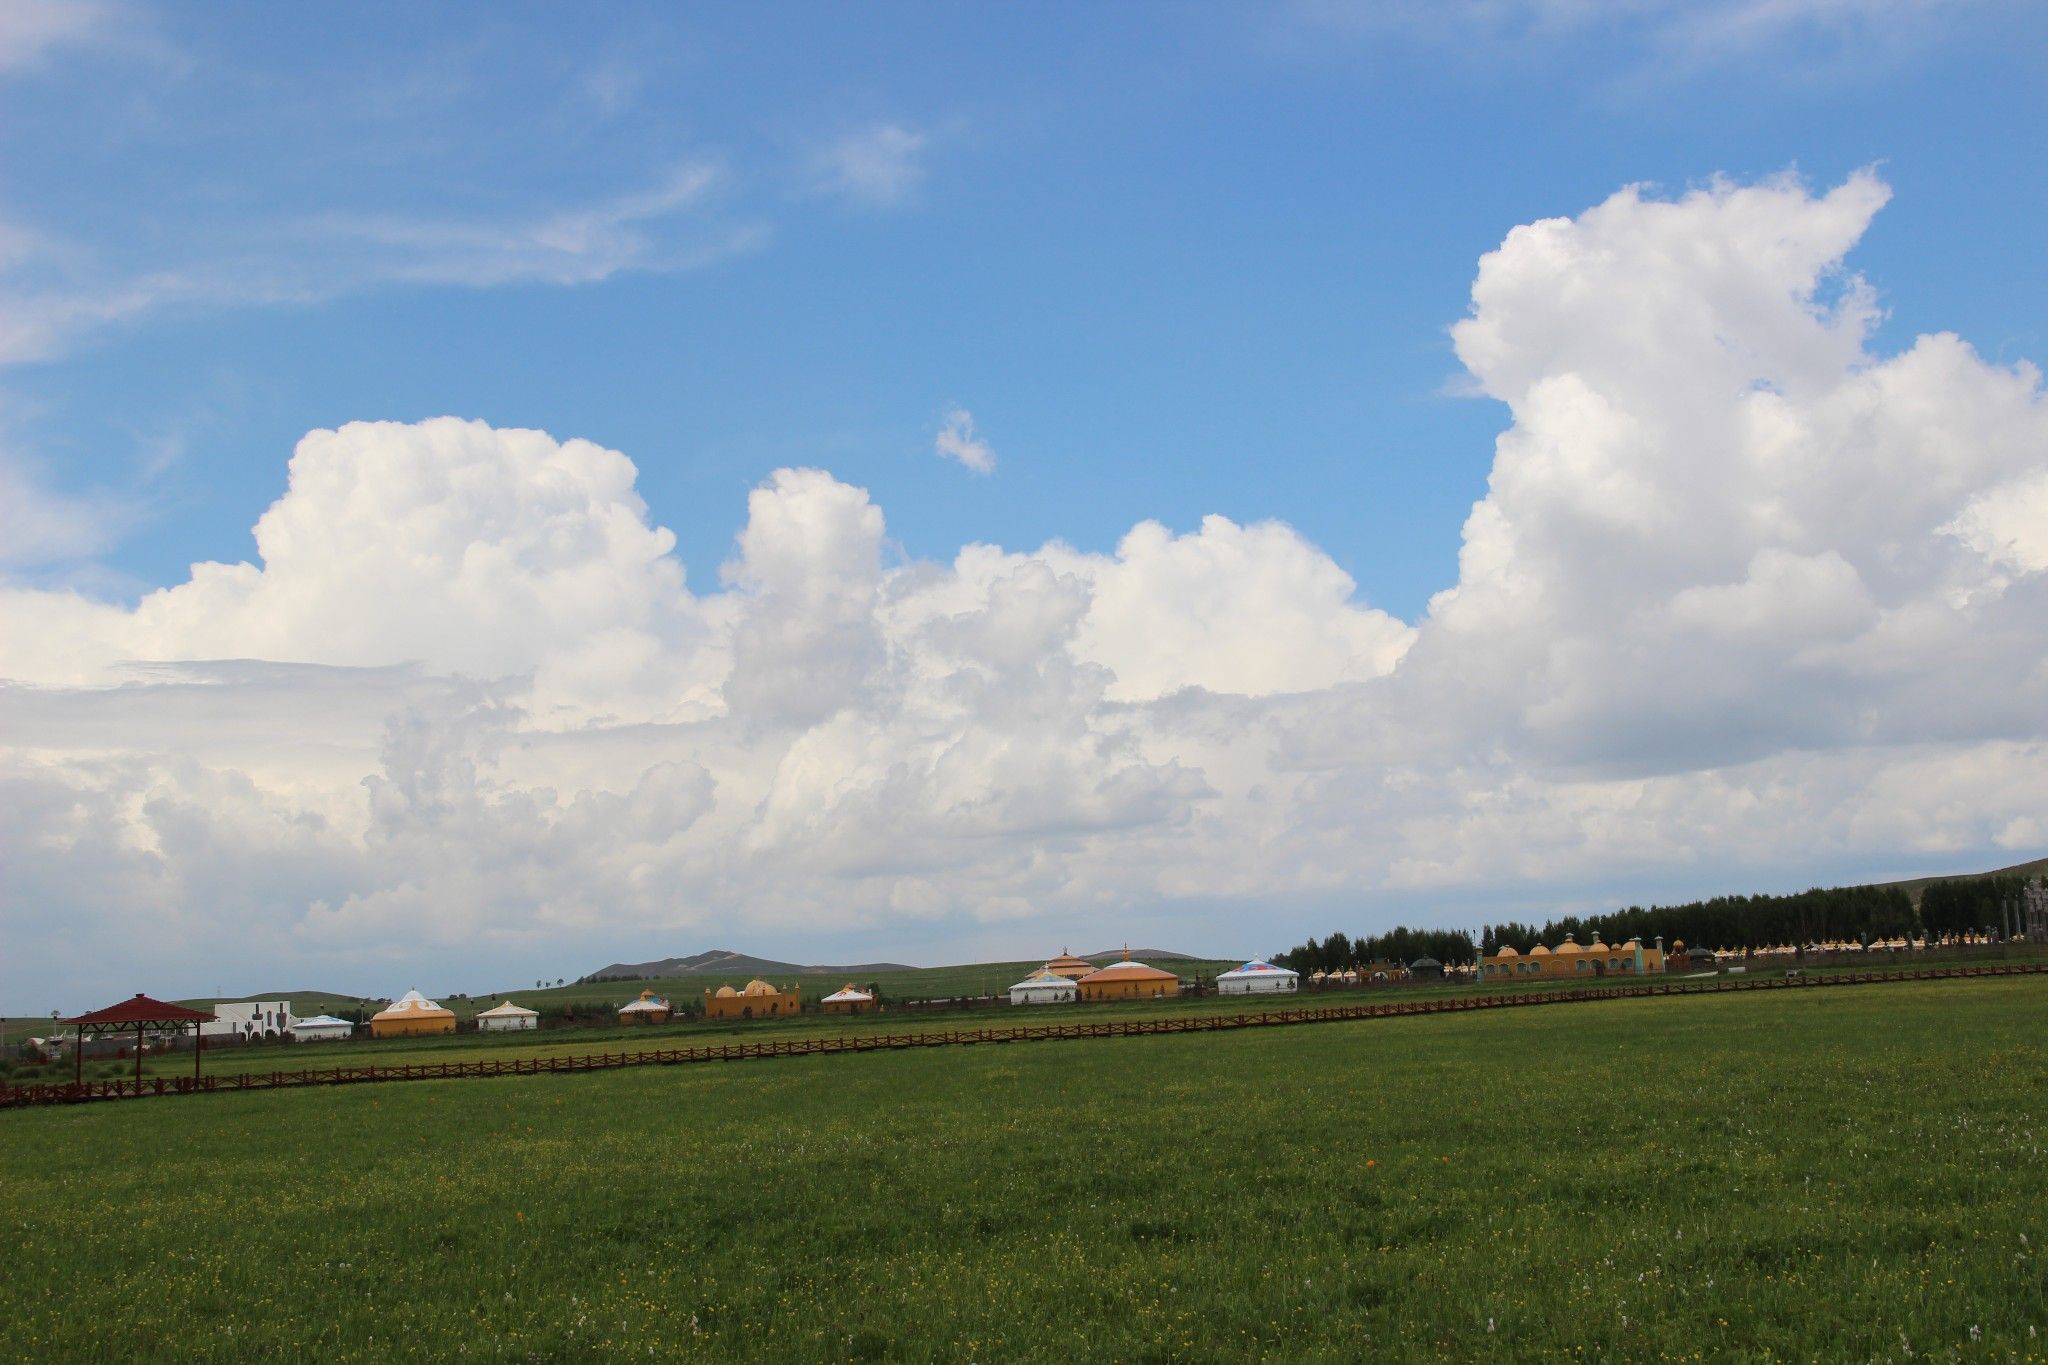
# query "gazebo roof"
(142, 1012)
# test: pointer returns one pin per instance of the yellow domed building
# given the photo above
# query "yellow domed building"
(1128, 980)
(1571, 959)
(410, 1015)
(756, 1000)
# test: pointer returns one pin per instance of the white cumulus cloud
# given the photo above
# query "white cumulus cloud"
(1742, 593)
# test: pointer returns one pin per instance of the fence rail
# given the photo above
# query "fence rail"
(67, 1092)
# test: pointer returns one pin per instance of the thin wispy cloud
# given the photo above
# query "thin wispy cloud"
(879, 166)
(32, 30)
(957, 441)
(52, 296)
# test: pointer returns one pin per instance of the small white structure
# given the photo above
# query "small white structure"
(250, 1019)
(321, 1028)
(1044, 987)
(1256, 978)
(846, 1000)
(507, 1018)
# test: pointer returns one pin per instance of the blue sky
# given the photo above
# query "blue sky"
(1755, 596)
(1175, 260)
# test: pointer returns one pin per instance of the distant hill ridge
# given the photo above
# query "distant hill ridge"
(1914, 886)
(722, 962)
(1143, 955)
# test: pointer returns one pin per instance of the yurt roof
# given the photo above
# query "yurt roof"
(648, 1001)
(319, 1020)
(1127, 971)
(412, 1004)
(1254, 968)
(505, 1011)
(1042, 978)
(847, 993)
(1067, 959)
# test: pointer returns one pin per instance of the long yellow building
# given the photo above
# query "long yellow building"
(758, 1000)
(1572, 960)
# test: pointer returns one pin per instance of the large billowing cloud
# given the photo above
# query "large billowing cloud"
(1741, 593)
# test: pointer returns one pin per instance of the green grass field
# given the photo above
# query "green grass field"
(1842, 1174)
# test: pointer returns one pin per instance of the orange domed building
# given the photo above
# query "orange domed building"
(1071, 967)
(756, 1000)
(411, 1014)
(1570, 959)
(1128, 980)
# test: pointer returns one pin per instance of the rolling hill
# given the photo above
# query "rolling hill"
(722, 962)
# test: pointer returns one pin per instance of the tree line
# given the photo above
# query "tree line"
(1451, 947)
(1854, 914)
(1948, 909)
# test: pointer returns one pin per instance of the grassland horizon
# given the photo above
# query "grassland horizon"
(1769, 1175)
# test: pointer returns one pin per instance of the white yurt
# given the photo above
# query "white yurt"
(1044, 987)
(321, 1028)
(506, 1018)
(1256, 978)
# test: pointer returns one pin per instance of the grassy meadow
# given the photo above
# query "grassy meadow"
(1848, 1174)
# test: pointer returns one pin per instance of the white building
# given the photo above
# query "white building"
(1256, 978)
(1043, 987)
(250, 1019)
(507, 1018)
(322, 1028)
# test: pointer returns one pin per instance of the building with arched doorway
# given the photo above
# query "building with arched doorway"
(755, 1000)
(1574, 960)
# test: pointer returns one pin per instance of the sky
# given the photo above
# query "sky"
(490, 491)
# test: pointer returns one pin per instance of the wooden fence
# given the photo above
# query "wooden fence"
(72, 1093)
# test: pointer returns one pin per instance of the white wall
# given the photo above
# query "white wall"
(250, 1019)
(1256, 985)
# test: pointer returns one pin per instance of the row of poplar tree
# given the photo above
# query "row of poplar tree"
(1856, 914)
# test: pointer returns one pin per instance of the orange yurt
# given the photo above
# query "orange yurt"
(410, 1015)
(1128, 980)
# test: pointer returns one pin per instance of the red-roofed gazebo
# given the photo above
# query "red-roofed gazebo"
(140, 1014)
